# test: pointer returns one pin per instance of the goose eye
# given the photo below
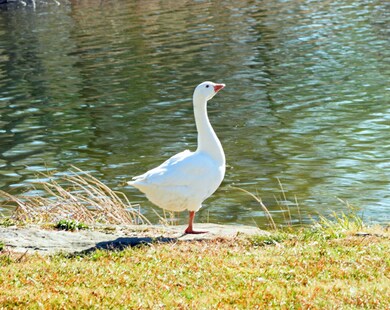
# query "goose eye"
(207, 86)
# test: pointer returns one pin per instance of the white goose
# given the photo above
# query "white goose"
(186, 179)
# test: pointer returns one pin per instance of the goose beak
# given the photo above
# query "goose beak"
(218, 87)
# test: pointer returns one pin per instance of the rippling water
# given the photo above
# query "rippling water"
(107, 85)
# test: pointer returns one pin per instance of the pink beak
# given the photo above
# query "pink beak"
(218, 87)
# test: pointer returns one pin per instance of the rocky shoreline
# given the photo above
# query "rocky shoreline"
(35, 239)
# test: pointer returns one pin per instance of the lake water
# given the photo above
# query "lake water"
(107, 86)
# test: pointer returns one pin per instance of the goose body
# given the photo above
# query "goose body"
(186, 179)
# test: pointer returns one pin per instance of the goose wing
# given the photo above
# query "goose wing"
(183, 169)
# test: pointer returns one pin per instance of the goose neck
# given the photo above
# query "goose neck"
(208, 141)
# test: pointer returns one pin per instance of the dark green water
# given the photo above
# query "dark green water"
(106, 86)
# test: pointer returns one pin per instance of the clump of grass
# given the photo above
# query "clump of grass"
(332, 226)
(7, 222)
(70, 225)
(275, 238)
(337, 225)
(1, 246)
(76, 196)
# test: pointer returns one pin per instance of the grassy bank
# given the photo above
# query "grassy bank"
(337, 263)
(323, 267)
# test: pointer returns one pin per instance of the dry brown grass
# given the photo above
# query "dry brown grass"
(75, 196)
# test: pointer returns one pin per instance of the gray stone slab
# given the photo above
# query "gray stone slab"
(35, 239)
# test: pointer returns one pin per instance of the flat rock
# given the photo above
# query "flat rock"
(35, 239)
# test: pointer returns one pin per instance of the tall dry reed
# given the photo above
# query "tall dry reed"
(76, 196)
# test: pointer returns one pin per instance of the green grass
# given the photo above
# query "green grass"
(70, 225)
(301, 269)
(6, 222)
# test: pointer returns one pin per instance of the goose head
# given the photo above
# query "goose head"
(206, 90)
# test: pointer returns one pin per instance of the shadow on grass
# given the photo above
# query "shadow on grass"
(122, 243)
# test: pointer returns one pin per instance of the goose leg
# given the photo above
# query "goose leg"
(189, 229)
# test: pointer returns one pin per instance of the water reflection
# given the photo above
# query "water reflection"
(106, 86)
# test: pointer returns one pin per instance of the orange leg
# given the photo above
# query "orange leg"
(189, 229)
